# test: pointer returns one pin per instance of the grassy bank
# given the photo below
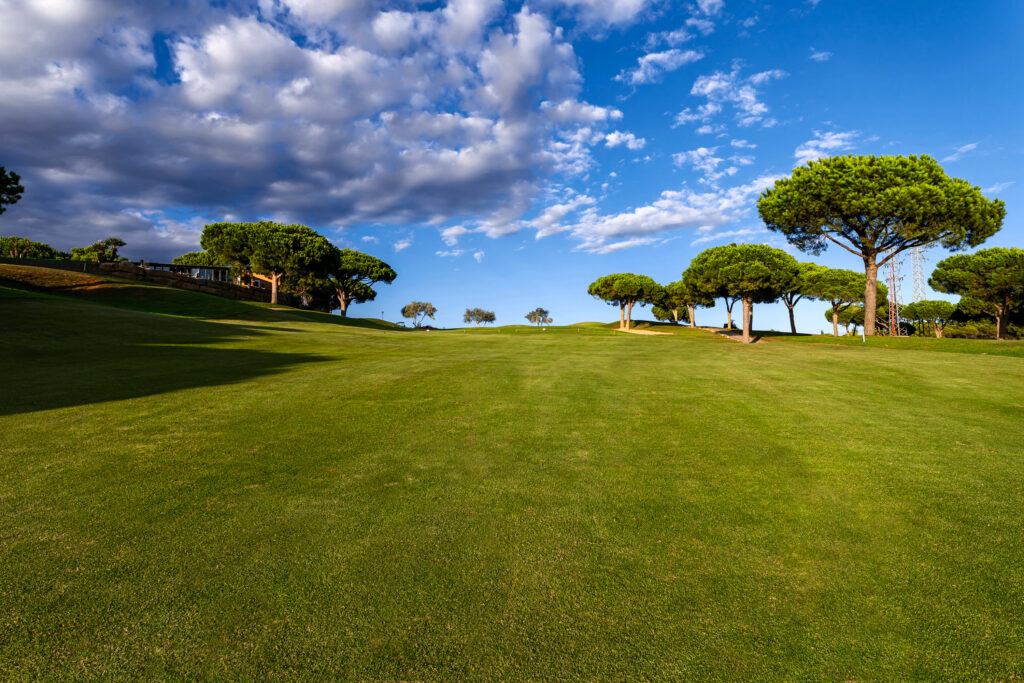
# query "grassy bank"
(279, 495)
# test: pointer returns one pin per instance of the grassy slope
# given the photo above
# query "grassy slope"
(280, 497)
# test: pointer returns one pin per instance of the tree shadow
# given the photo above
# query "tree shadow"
(63, 353)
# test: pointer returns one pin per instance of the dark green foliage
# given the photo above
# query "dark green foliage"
(103, 251)
(230, 243)
(841, 288)
(992, 281)
(625, 290)
(199, 259)
(798, 289)
(935, 314)
(478, 316)
(11, 188)
(539, 316)
(692, 291)
(352, 274)
(23, 247)
(876, 207)
(751, 273)
(270, 249)
(418, 311)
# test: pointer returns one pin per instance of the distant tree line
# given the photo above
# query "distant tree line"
(873, 207)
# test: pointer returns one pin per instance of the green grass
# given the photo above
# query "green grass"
(281, 495)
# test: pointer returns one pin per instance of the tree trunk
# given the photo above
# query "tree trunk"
(835, 322)
(729, 303)
(870, 293)
(622, 316)
(629, 315)
(747, 317)
(937, 330)
(693, 315)
(274, 278)
(1000, 323)
(792, 321)
(343, 303)
(675, 314)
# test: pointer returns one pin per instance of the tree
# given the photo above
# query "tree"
(230, 243)
(752, 273)
(798, 289)
(692, 292)
(849, 315)
(293, 249)
(673, 297)
(103, 251)
(991, 279)
(23, 247)
(625, 290)
(937, 314)
(200, 259)
(352, 274)
(478, 316)
(876, 208)
(417, 310)
(839, 287)
(112, 244)
(539, 316)
(10, 188)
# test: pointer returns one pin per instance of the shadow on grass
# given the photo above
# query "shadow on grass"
(64, 353)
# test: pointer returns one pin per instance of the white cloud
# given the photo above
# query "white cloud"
(960, 151)
(998, 187)
(739, 235)
(617, 137)
(393, 116)
(604, 13)
(704, 113)
(705, 26)
(652, 66)
(721, 87)
(820, 55)
(479, 256)
(765, 76)
(749, 22)
(825, 144)
(711, 7)
(450, 253)
(549, 222)
(369, 238)
(742, 144)
(673, 210)
(402, 244)
(451, 235)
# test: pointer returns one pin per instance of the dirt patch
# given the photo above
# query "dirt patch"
(641, 331)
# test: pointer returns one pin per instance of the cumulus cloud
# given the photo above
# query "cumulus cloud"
(960, 151)
(549, 222)
(617, 137)
(603, 13)
(369, 239)
(402, 244)
(825, 144)
(478, 256)
(652, 66)
(673, 210)
(730, 88)
(328, 113)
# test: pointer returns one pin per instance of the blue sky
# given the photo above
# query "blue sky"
(500, 155)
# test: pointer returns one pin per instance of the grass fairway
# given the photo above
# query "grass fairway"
(277, 496)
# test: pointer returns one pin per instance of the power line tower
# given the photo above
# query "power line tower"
(895, 297)
(917, 256)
